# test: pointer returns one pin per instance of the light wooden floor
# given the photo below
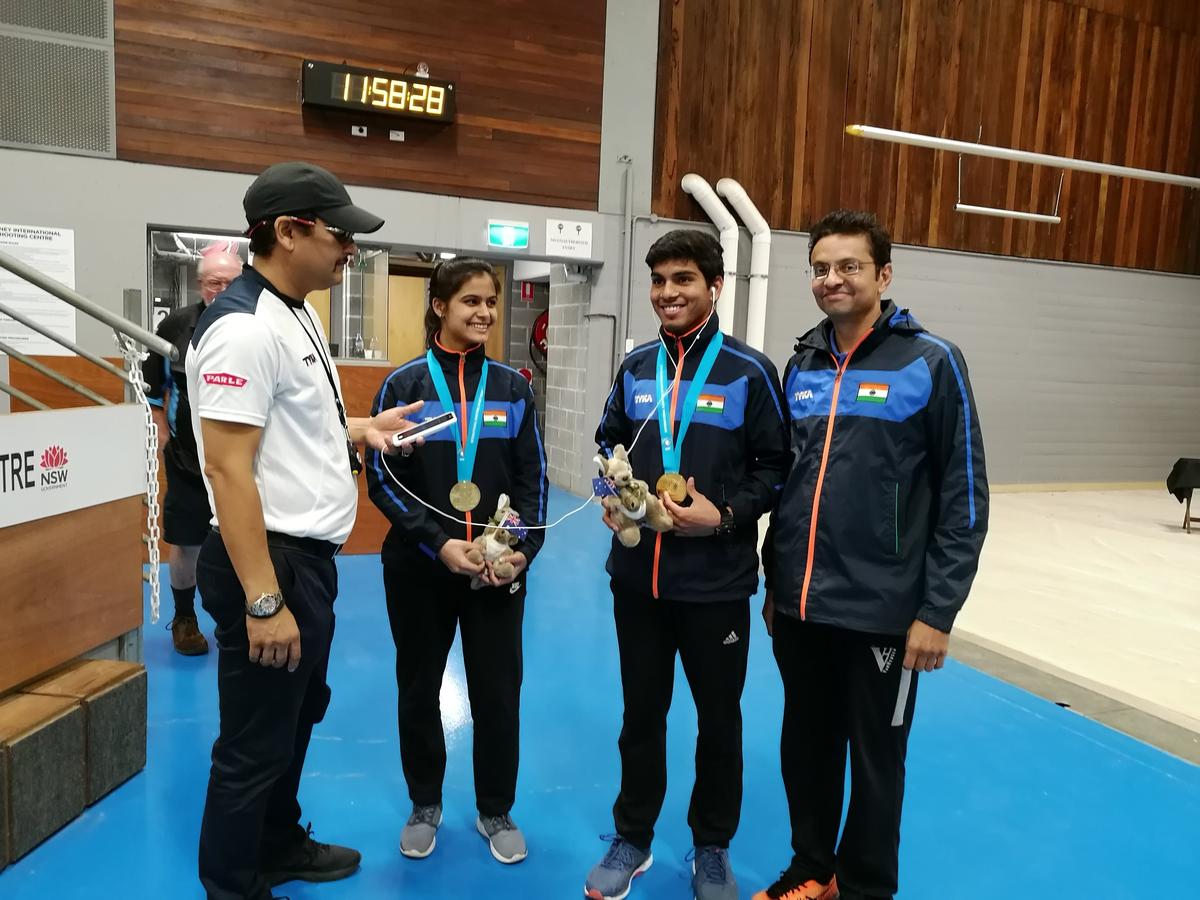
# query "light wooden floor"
(1101, 588)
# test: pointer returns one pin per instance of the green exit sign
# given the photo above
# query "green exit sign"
(508, 235)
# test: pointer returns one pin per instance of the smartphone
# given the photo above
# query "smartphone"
(426, 428)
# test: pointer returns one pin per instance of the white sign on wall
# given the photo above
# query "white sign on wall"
(51, 251)
(565, 238)
(61, 460)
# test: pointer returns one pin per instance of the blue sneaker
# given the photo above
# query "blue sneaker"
(613, 875)
(712, 876)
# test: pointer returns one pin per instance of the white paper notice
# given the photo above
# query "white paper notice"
(51, 251)
(573, 239)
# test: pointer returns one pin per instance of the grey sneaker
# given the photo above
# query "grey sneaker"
(504, 838)
(613, 875)
(419, 836)
(712, 876)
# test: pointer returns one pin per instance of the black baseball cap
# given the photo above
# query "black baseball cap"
(291, 188)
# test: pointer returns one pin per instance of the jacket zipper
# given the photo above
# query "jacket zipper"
(462, 399)
(812, 525)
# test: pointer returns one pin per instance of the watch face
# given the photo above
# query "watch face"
(266, 605)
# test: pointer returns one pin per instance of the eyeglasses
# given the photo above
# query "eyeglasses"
(843, 267)
(341, 235)
(216, 284)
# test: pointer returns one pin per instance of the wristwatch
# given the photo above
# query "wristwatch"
(726, 525)
(265, 606)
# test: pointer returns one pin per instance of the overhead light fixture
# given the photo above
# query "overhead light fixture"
(445, 255)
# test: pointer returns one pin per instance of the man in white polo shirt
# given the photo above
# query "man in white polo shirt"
(279, 461)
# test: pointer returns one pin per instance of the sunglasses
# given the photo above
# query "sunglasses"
(341, 235)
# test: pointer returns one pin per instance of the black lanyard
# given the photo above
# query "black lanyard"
(337, 400)
(351, 450)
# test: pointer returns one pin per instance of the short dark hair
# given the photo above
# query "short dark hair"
(853, 221)
(689, 245)
(262, 235)
(445, 281)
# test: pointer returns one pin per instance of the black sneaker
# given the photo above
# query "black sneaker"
(311, 861)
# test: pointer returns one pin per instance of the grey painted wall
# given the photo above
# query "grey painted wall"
(627, 122)
(110, 203)
(1081, 373)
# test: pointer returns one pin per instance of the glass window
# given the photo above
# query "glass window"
(354, 313)
(173, 265)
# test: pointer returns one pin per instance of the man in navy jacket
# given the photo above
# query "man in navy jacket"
(870, 556)
(702, 415)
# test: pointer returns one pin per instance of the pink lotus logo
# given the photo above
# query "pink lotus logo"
(224, 379)
(54, 457)
(54, 468)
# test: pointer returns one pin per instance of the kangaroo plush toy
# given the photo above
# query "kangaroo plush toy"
(633, 503)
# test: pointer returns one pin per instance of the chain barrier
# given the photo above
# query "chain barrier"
(134, 355)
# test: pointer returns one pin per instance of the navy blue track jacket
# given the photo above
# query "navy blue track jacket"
(884, 513)
(511, 458)
(736, 449)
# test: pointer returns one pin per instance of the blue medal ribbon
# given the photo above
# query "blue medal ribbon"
(673, 450)
(465, 455)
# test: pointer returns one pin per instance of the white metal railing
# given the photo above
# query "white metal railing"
(131, 338)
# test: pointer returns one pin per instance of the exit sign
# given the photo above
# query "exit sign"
(508, 235)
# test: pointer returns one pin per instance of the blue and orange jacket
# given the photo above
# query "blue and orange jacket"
(737, 450)
(511, 458)
(884, 513)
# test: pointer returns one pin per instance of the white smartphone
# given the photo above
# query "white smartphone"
(424, 429)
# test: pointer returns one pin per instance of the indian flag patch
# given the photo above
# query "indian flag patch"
(872, 393)
(495, 417)
(713, 403)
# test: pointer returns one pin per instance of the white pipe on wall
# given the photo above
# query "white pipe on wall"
(1025, 156)
(697, 187)
(760, 259)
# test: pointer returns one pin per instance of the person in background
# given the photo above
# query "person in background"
(186, 515)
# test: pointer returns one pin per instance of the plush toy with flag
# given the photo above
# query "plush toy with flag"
(495, 543)
(631, 503)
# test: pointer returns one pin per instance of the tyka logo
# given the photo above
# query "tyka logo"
(310, 360)
(54, 467)
(803, 395)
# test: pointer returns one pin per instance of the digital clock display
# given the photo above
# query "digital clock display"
(369, 90)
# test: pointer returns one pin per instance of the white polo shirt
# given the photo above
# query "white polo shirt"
(256, 357)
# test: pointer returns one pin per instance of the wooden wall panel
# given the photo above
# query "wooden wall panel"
(1109, 80)
(71, 583)
(55, 395)
(214, 84)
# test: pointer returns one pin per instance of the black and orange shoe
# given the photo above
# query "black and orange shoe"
(793, 886)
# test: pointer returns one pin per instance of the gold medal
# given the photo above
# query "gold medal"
(464, 496)
(674, 485)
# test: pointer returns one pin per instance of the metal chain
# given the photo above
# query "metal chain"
(134, 355)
